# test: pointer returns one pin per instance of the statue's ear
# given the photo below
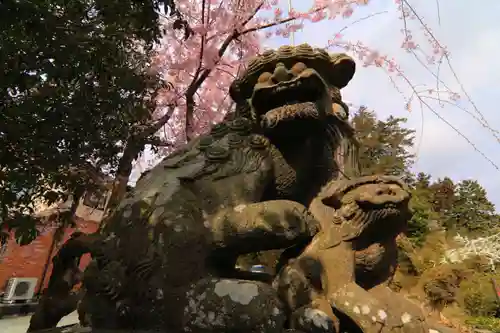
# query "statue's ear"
(344, 68)
(333, 201)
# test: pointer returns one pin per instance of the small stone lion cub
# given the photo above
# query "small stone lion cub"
(345, 270)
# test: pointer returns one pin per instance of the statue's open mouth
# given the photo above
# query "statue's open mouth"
(271, 100)
(389, 216)
(392, 211)
(278, 106)
(386, 210)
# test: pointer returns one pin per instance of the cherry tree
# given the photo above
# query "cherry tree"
(224, 34)
(198, 63)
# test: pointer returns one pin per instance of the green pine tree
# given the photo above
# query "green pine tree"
(471, 211)
(384, 144)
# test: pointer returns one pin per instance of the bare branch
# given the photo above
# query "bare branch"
(445, 54)
(360, 20)
(156, 126)
(269, 25)
(202, 46)
(438, 12)
(157, 142)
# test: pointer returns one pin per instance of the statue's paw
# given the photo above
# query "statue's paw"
(295, 216)
(312, 320)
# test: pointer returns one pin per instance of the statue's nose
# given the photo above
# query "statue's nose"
(385, 190)
(280, 73)
(391, 192)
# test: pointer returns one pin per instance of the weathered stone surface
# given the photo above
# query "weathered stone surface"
(216, 305)
(243, 187)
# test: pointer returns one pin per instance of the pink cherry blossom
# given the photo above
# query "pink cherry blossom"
(227, 33)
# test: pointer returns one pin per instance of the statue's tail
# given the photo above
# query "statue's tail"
(59, 299)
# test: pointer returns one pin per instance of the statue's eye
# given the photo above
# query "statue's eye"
(298, 68)
(264, 77)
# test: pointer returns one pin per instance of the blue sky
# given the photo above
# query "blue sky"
(469, 34)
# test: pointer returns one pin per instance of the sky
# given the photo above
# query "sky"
(468, 33)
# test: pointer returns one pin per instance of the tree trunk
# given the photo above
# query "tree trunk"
(131, 152)
(55, 239)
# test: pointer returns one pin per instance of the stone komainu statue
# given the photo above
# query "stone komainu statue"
(267, 177)
(168, 252)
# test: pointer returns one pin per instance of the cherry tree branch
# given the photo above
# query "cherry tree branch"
(445, 54)
(253, 14)
(364, 18)
(198, 80)
(190, 92)
(268, 25)
(158, 124)
(202, 46)
(157, 142)
(227, 72)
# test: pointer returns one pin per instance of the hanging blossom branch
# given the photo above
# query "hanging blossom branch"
(371, 57)
(410, 12)
(227, 33)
